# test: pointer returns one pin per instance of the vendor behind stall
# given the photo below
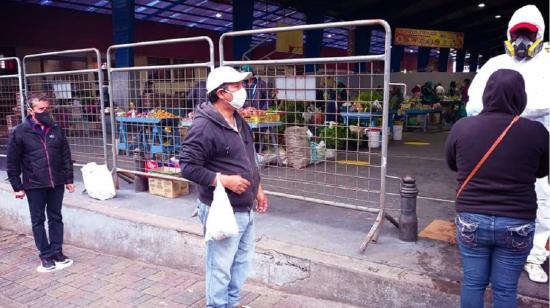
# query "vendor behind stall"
(428, 94)
(396, 98)
(257, 90)
(453, 91)
(197, 94)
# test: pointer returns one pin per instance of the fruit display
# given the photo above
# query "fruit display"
(253, 115)
(251, 111)
(161, 114)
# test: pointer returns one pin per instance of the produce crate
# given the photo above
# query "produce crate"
(167, 171)
(264, 118)
(168, 188)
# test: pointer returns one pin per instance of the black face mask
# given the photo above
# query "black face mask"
(44, 118)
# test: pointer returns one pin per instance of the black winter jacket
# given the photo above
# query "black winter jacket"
(44, 159)
(505, 184)
(212, 146)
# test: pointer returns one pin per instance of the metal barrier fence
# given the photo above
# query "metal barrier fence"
(76, 98)
(151, 108)
(321, 123)
(11, 102)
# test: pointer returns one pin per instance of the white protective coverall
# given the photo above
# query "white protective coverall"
(536, 73)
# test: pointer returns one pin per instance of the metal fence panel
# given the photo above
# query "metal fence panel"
(11, 102)
(322, 129)
(76, 99)
(151, 107)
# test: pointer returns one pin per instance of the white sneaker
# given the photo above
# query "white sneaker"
(536, 272)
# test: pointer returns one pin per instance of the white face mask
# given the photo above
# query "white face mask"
(239, 97)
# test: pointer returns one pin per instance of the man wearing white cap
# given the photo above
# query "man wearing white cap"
(525, 53)
(220, 143)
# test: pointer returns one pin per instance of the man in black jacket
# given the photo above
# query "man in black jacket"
(38, 149)
(220, 144)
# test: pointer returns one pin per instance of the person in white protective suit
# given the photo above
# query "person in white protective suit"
(526, 53)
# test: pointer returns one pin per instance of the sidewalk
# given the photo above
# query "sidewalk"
(100, 280)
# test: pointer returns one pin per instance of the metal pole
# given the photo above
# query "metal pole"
(102, 104)
(408, 221)
(374, 231)
(114, 149)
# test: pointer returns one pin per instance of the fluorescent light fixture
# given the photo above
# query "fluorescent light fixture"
(153, 3)
(164, 20)
(45, 2)
(175, 15)
(481, 5)
(218, 15)
(497, 16)
(141, 9)
(329, 35)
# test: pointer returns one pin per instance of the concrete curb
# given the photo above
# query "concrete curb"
(291, 268)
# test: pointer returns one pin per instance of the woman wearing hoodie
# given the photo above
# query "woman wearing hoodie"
(496, 203)
(525, 53)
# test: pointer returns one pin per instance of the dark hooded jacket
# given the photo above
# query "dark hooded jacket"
(505, 184)
(212, 146)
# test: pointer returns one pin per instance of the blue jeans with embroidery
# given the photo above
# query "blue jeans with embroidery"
(228, 261)
(493, 249)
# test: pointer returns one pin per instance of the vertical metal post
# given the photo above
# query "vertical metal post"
(408, 221)
(21, 88)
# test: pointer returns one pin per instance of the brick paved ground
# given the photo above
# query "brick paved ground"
(100, 280)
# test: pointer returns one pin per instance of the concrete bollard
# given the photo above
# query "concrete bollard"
(140, 183)
(408, 221)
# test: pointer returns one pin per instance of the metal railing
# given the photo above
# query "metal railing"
(76, 98)
(12, 110)
(151, 107)
(308, 156)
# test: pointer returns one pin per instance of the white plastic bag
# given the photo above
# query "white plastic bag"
(220, 223)
(98, 181)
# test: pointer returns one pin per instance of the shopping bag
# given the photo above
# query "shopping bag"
(98, 181)
(220, 223)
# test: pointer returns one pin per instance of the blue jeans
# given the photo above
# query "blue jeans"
(228, 261)
(493, 249)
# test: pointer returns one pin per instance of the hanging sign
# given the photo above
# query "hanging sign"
(429, 38)
(290, 41)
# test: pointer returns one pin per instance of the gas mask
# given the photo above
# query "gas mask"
(523, 47)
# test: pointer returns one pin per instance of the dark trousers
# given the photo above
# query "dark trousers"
(41, 202)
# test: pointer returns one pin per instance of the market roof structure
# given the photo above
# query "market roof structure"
(482, 21)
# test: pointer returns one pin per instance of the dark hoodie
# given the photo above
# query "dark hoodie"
(504, 186)
(212, 146)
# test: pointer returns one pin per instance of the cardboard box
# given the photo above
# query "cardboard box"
(168, 188)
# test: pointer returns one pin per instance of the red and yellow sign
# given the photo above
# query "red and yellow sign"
(429, 38)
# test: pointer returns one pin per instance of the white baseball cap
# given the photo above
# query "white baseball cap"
(224, 74)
